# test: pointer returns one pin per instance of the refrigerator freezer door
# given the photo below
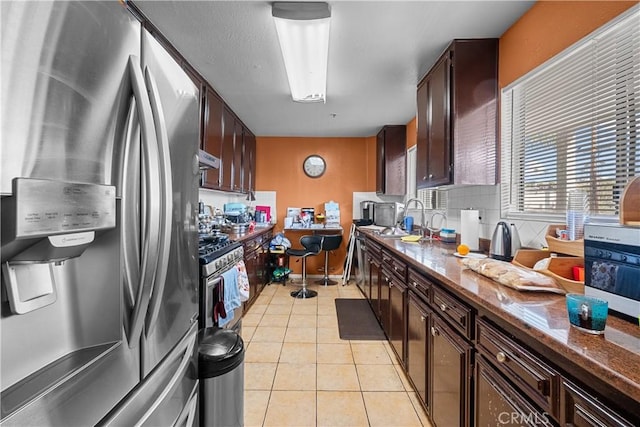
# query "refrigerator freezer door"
(174, 304)
(65, 97)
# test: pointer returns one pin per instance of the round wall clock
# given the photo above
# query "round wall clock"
(314, 166)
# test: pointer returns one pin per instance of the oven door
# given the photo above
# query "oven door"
(210, 296)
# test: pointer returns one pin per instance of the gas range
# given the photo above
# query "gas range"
(217, 253)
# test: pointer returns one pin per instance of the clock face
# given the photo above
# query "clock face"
(314, 166)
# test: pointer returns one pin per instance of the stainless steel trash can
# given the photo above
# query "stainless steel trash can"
(221, 372)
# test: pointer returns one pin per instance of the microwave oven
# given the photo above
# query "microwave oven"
(612, 266)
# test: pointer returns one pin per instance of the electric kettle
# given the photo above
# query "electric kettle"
(505, 242)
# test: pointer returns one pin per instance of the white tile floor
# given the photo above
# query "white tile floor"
(298, 372)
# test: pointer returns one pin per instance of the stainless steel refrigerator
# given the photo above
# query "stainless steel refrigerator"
(99, 182)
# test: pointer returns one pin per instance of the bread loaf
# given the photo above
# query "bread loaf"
(513, 276)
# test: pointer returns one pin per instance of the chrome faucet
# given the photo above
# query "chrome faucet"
(406, 208)
(433, 229)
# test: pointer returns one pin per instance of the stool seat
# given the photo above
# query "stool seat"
(312, 245)
(330, 242)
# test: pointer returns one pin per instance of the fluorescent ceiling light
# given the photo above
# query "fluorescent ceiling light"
(303, 31)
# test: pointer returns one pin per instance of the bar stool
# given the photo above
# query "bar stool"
(331, 242)
(312, 245)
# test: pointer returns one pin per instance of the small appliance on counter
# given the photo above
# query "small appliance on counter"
(367, 210)
(612, 266)
(387, 214)
(505, 242)
(236, 213)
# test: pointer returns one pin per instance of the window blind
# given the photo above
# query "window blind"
(573, 124)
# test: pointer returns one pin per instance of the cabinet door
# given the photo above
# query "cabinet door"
(418, 324)
(386, 282)
(251, 264)
(498, 403)
(397, 318)
(238, 150)
(249, 161)
(376, 282)
(422, 143)
(212, 140)
(580, 409)
(227, 155)
(391, 156)
(450, 372)
(438, 124)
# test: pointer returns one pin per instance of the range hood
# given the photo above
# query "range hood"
(208, 161)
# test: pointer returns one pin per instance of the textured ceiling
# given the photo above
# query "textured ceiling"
(378, 52)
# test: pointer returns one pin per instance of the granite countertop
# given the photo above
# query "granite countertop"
(248, 236)
(613, 357)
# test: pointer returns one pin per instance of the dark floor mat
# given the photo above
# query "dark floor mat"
(356, 320)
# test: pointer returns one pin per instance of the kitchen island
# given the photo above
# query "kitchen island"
(514, 347)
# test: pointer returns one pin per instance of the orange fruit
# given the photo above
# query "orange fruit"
(463, 249)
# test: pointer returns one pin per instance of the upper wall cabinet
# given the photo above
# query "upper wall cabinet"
(391, 163)
(457, 116)
(212, 135)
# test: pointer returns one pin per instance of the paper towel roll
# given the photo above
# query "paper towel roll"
(470, 228)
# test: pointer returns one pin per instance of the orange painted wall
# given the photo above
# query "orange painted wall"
(547, 29)
(412, 133)
(350, 167)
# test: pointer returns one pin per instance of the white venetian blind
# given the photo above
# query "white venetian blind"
(573, 124)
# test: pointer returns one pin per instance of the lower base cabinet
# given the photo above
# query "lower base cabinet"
(450, 373)
(580, 409)
(418, 326)
(497, 403)
(397, 315)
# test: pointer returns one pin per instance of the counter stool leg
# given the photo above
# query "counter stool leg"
(304, 292)
(325, 280)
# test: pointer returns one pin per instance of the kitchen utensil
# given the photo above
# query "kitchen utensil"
(505, 242)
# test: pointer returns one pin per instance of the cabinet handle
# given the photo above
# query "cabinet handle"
(424, 178)
(422, 318)
(415, 285)
(434, 331)
(501, 357)
(430, 175)
(443, 307)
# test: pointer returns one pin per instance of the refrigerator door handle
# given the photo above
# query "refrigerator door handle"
(164, 239)
(179, 373)
(130, 226)
(151, 204)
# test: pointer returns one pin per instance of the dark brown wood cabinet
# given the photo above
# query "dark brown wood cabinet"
(450, 371)
(497, 402)
(398, 319)
(227, 155)
(581, 409)
(238, 151)
(418, 327)
(248, 161)
(212, 135)
(457, 121)
(386, 282)
(391, 160)
(256, 250)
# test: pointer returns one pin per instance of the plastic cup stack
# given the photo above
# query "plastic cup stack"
(577, 214)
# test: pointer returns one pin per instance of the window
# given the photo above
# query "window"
(573, 124)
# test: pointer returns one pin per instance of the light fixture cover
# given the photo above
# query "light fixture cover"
(303, 31)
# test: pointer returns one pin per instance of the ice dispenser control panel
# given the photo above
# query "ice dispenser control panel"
(46, 207)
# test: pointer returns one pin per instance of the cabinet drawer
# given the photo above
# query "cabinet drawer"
(253, 244)
(395, 265)
(420, 285)
(532, 376)
(582, 409)
(373, 248)
(455, 311)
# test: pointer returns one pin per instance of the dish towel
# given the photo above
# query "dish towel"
(243, 281)
(231, 295)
